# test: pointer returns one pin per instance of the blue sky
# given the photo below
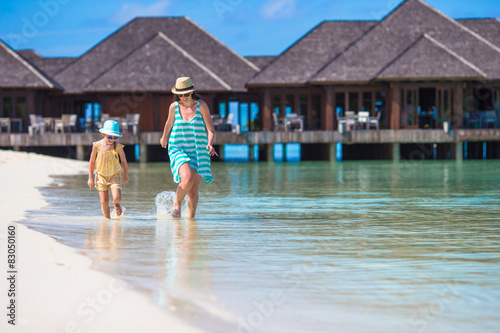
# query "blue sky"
(257, 27)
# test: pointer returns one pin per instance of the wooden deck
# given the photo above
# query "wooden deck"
(252, 138)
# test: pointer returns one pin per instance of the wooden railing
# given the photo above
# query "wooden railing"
(318, 137)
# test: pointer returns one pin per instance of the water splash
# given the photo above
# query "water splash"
(113, 213)
(164, 202)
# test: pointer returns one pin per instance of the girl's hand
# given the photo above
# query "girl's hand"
(125, 180)
(211, 151)
(163, 142)
(90, 182)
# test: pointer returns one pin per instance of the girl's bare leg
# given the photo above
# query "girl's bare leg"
(193, 195)
(104, 196)
(117, 198)
(187, 179)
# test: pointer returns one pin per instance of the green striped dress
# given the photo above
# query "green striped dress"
(188, 143)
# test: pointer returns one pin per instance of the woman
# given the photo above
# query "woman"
(189, 145)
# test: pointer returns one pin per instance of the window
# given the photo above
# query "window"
(484, 97)
(497, 100)
(410, 113)
(353, 101)
(7, 107)
(254, 117)
(289, 107)
(380, 101)
(380, 106)
(96, 107)
(367, 102)
(88, 111)
(303, 99)
(233, 107)
(20, 109)
(340, 104)
(277, 104)
(222, 110)
(443, 105)
(316, 114)
(14, 107)
(244, 117)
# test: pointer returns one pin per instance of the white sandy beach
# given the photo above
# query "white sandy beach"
(55, 289)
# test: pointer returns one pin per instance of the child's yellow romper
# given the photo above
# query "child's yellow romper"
(108, 170)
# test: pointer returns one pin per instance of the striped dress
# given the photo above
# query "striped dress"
(188, 143)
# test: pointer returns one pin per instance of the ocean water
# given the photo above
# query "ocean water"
(302, 247)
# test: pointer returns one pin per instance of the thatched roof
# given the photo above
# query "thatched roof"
(152, 65)
(308, 55)
(260, 61)
(17, 72)
(415, 63)
(231, 68)
(488, 28)
(413, 42)
(49, 65)
(29, 54)
(392, 36)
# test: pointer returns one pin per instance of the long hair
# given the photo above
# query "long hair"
(194, 96)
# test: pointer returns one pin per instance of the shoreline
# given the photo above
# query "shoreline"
(54, 289)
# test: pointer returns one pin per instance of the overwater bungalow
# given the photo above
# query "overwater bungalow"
(414, 69)
(133, 70)
(414, 77)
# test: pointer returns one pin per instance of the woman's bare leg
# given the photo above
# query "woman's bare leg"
(193, 195)
(187, 179)
(104, 196)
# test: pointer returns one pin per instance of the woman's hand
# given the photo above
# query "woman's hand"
(163, 142)
(211, 151)
(90, 182)
(125, 179)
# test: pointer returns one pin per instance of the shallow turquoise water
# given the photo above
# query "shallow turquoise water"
(305, 247)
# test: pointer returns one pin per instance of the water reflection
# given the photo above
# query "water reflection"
(185, 256)
(105, 241)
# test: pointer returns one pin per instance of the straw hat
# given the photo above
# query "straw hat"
(111, 127)
(183, 85)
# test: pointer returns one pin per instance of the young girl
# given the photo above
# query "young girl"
(105, 163)
(189, 146)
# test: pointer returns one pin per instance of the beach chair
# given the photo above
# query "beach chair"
(5, 124)
(489, 118)
(67, 122)
(132, 121)
(375, 121)
(341, 121)
(472, 119)
(294, 122)
(217, 121)
(104, 117)
(363, 118)
(228, 123)
(278, 123)
(351, 120)
(37, 125)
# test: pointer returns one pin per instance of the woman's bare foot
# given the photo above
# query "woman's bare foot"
(176, 212)
(118, 209)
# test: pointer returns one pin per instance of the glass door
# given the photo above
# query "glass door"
(497, 100)
(244, 117)
(444, 100)
(409, 110)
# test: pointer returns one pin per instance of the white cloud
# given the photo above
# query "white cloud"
(128, 11)
(277, 9)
